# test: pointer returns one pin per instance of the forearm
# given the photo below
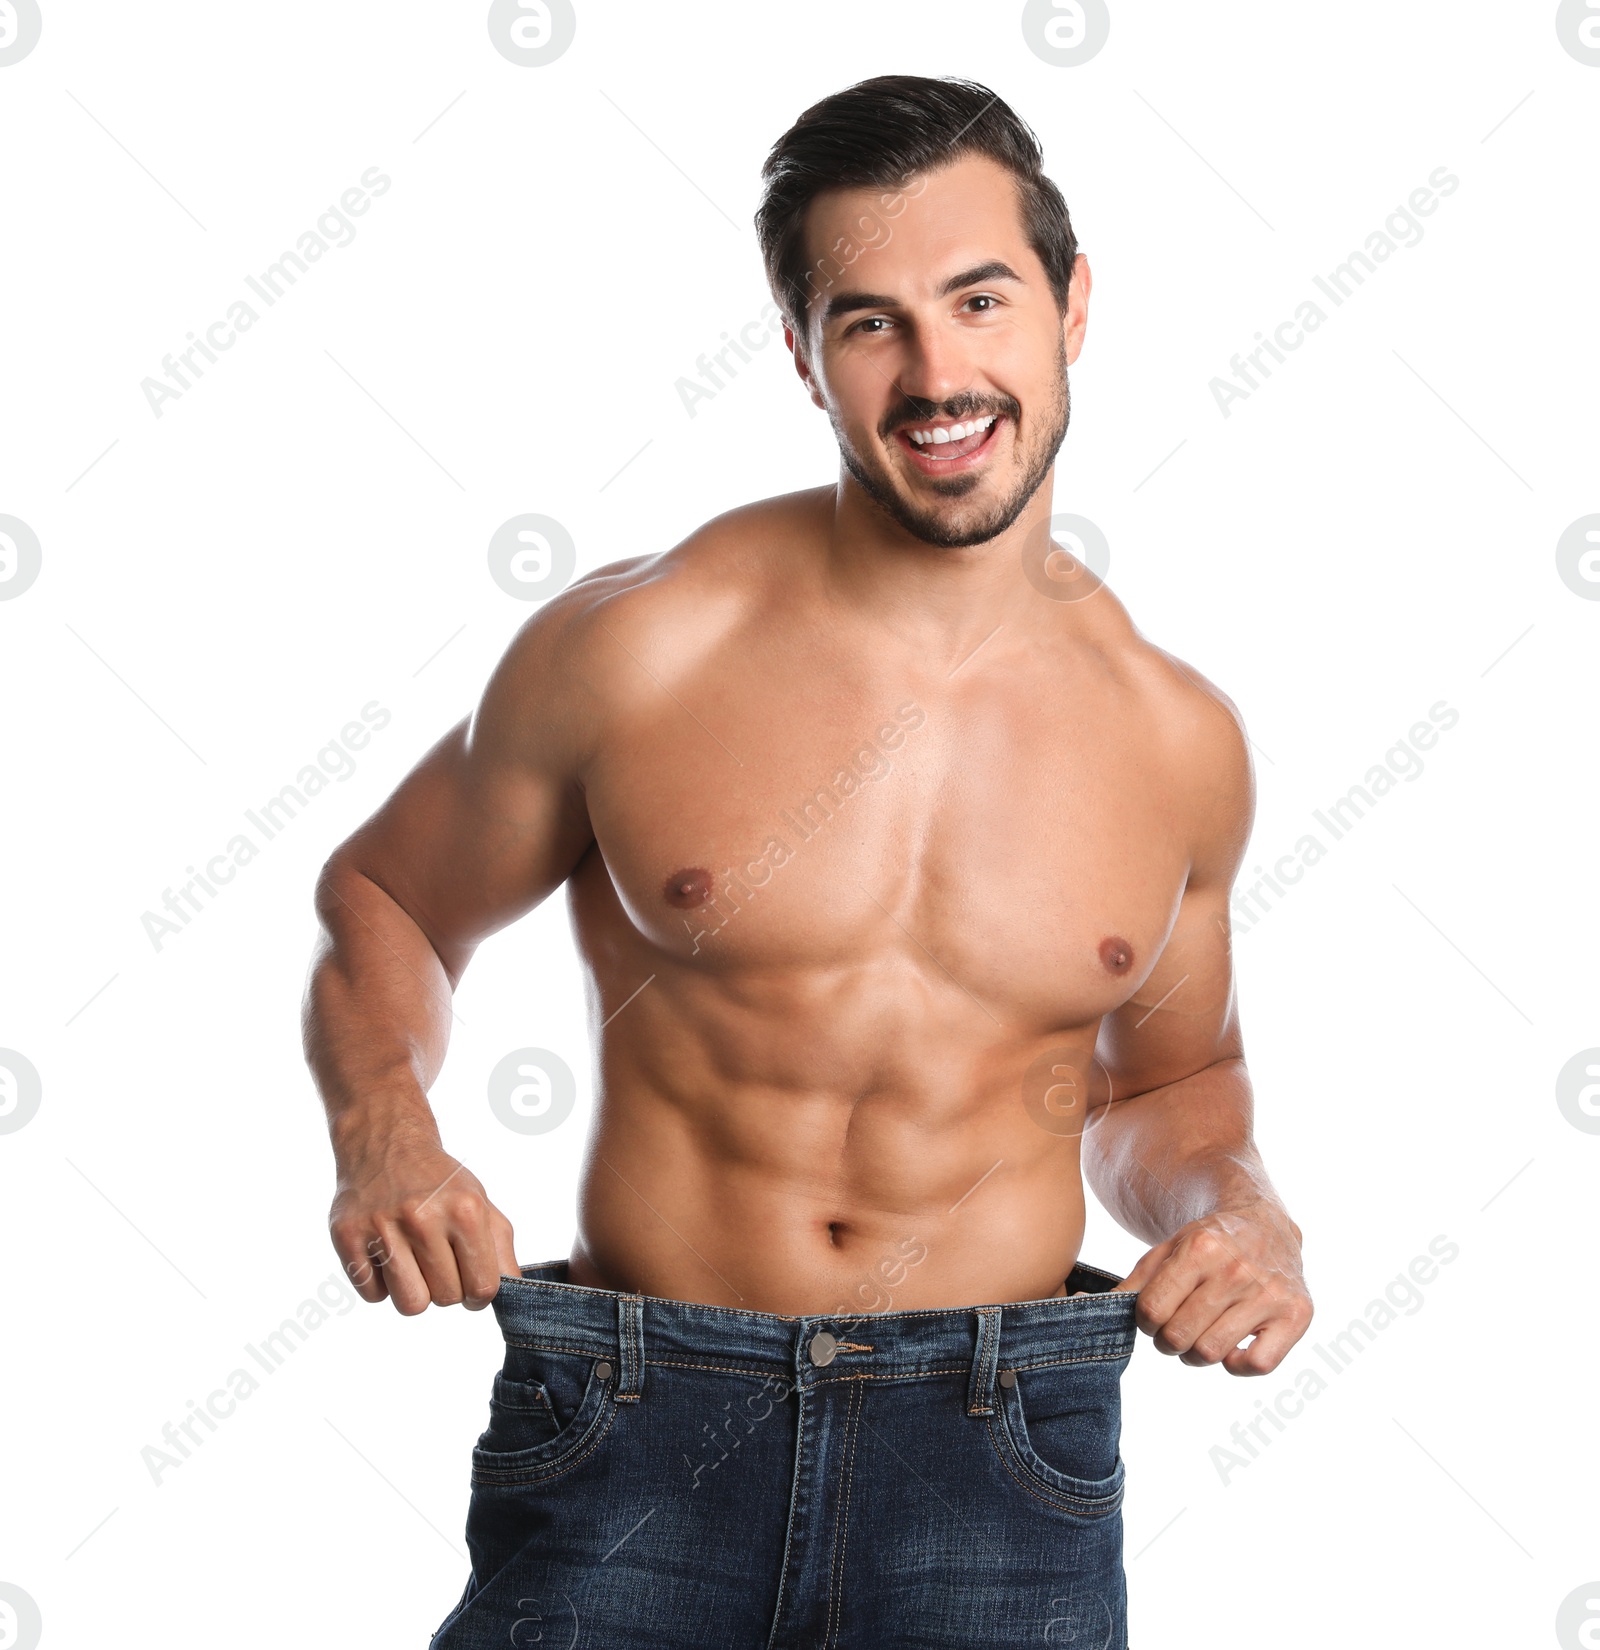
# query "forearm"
(376, 1016)
(1178, 1153)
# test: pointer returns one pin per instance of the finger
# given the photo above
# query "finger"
(1219, 1337)
(473, 1243)
(1148, 1265)
(1207, 1303)
(372, 1264)
(1272, 1343)
(506, 1255)
(401, 1273)
(1194, 1259)
(1159, 1301)
(353, 1243)
(431, 1245)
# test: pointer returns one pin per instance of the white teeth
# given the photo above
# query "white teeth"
(938, 437)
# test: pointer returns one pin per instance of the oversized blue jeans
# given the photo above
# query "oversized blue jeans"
(667, 1474)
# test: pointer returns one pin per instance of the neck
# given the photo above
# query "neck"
(932, 595)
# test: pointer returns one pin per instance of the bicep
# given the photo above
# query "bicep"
(492, 819)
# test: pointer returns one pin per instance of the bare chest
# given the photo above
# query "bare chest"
(1028, 854)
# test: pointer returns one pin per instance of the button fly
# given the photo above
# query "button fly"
(823, 1346)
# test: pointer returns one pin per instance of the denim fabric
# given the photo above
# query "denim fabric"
(666, 1474)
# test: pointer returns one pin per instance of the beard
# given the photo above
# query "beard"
(949, 526)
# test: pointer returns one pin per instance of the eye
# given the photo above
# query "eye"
(982, 298)
(867, 323)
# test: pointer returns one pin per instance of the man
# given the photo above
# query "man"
(899, 863)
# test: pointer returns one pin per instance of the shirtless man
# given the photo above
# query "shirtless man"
(899, 863)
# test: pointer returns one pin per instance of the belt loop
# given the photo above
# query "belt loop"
(630, 1348)
(986, 1354)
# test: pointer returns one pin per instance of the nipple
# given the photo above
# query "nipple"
(686, 889)
(1116, 954)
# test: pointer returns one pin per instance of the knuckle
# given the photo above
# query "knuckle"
(465, 1208)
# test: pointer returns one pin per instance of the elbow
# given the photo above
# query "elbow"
(337, 882)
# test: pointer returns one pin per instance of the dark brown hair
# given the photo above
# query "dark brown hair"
(880, 134)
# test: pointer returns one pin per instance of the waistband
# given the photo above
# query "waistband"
(542, 1309)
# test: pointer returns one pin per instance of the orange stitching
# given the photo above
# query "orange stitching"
(788, 1530)
(841, 1527)
(766, 1370)
(493, 1478)
(1049, 1495)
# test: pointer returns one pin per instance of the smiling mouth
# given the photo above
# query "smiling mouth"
(937, 449)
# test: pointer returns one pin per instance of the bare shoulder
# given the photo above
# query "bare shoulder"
(688, 595)
(612, 635)
(1197, 734)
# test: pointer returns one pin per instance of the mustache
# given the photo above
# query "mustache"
(914, 415)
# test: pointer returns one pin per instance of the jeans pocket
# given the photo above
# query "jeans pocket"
(521, 1415)
(547, 1408)
(1060, 1426)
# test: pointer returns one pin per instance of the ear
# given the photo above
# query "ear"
(801, 366)
(1075, 319)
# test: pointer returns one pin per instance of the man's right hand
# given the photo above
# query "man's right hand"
(413, 1225)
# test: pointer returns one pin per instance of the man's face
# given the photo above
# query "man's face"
(946, 319)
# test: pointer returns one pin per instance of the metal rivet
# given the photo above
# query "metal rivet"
(1008, 1377)
(603, 1370)
(823, 1346)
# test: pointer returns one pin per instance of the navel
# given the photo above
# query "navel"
(1116, 954)
(686, 889)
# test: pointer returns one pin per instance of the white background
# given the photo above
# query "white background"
(304, 531)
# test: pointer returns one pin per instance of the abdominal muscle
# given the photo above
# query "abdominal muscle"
(820, 1201)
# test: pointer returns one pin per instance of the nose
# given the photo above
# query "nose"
(936, 367)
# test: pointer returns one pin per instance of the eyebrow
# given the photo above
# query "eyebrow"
(846, 303)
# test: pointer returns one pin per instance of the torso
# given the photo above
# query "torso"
(830, 1095)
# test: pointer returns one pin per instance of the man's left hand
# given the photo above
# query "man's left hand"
(1233, 1274)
